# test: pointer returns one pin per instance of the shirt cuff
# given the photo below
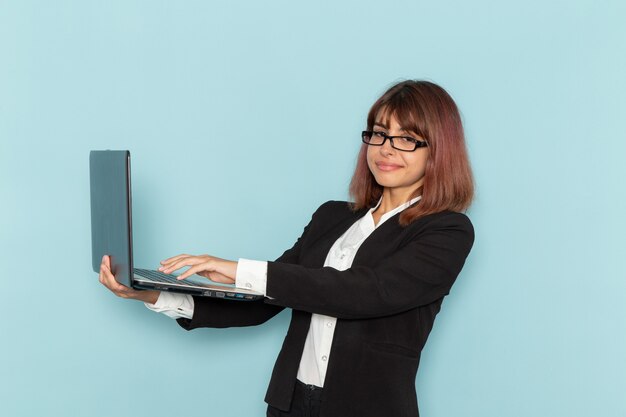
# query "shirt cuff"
(173, 305)
(251, 275)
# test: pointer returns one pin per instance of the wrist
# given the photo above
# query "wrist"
(233, 270)
(149, 296)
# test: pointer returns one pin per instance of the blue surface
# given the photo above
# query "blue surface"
(242, 117)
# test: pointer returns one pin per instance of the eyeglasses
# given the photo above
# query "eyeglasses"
(401, 143)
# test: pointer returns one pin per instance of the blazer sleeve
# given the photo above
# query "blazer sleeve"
(418, 274)
(220, 313)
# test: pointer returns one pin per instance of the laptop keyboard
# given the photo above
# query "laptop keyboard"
(161, 277)
(227, 292)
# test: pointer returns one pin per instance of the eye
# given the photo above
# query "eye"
(408, 140)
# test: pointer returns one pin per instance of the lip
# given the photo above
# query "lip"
(386, 166)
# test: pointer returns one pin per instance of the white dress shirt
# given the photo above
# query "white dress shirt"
(253, 275)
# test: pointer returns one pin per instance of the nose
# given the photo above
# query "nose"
(386, 148)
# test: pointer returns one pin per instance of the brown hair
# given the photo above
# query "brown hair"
(428, 110)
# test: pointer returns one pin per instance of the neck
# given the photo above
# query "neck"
(393, 198)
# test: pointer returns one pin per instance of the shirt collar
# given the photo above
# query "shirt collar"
(395, 210)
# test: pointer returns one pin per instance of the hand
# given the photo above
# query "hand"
(108, 280)
(215, 269)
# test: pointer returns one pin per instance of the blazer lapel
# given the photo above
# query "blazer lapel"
(317, 256)
(382, 236)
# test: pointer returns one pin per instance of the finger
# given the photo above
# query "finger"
(101, 276)
(103, 272)
(106, 270)
(173, 258)
(189, 261)
(174, 266)
(174, 261)
(194, 269)
(187, 273)
(106, 277)
(110, 282)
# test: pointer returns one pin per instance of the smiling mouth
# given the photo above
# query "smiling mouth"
(387, 167)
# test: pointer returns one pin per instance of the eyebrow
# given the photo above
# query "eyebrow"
(385, 126)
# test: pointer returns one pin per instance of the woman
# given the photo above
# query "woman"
(366, 279)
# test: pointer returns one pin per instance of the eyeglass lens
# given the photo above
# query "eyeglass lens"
(397, 142)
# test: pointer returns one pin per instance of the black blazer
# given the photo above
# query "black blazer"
(385, 305)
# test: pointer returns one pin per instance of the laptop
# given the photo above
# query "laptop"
(112, 234)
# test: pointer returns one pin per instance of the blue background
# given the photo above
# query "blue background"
(242, 117)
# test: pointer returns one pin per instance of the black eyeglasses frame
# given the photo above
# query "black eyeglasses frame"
(369, 133)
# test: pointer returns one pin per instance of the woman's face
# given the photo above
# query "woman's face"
(396, 170)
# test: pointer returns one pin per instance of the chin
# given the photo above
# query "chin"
(396, 183)
(387, 183)
(387, 180)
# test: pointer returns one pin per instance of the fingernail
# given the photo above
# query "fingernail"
(161, 268)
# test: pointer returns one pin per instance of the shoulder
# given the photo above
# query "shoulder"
(334, 212)
(334, 208)
(451, 218)
(442, 223)
(445, 222)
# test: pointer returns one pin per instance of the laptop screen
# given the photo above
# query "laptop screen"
(109, 175)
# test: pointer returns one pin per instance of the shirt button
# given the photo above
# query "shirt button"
(329, 324)
(324, 358)
(248, 285)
